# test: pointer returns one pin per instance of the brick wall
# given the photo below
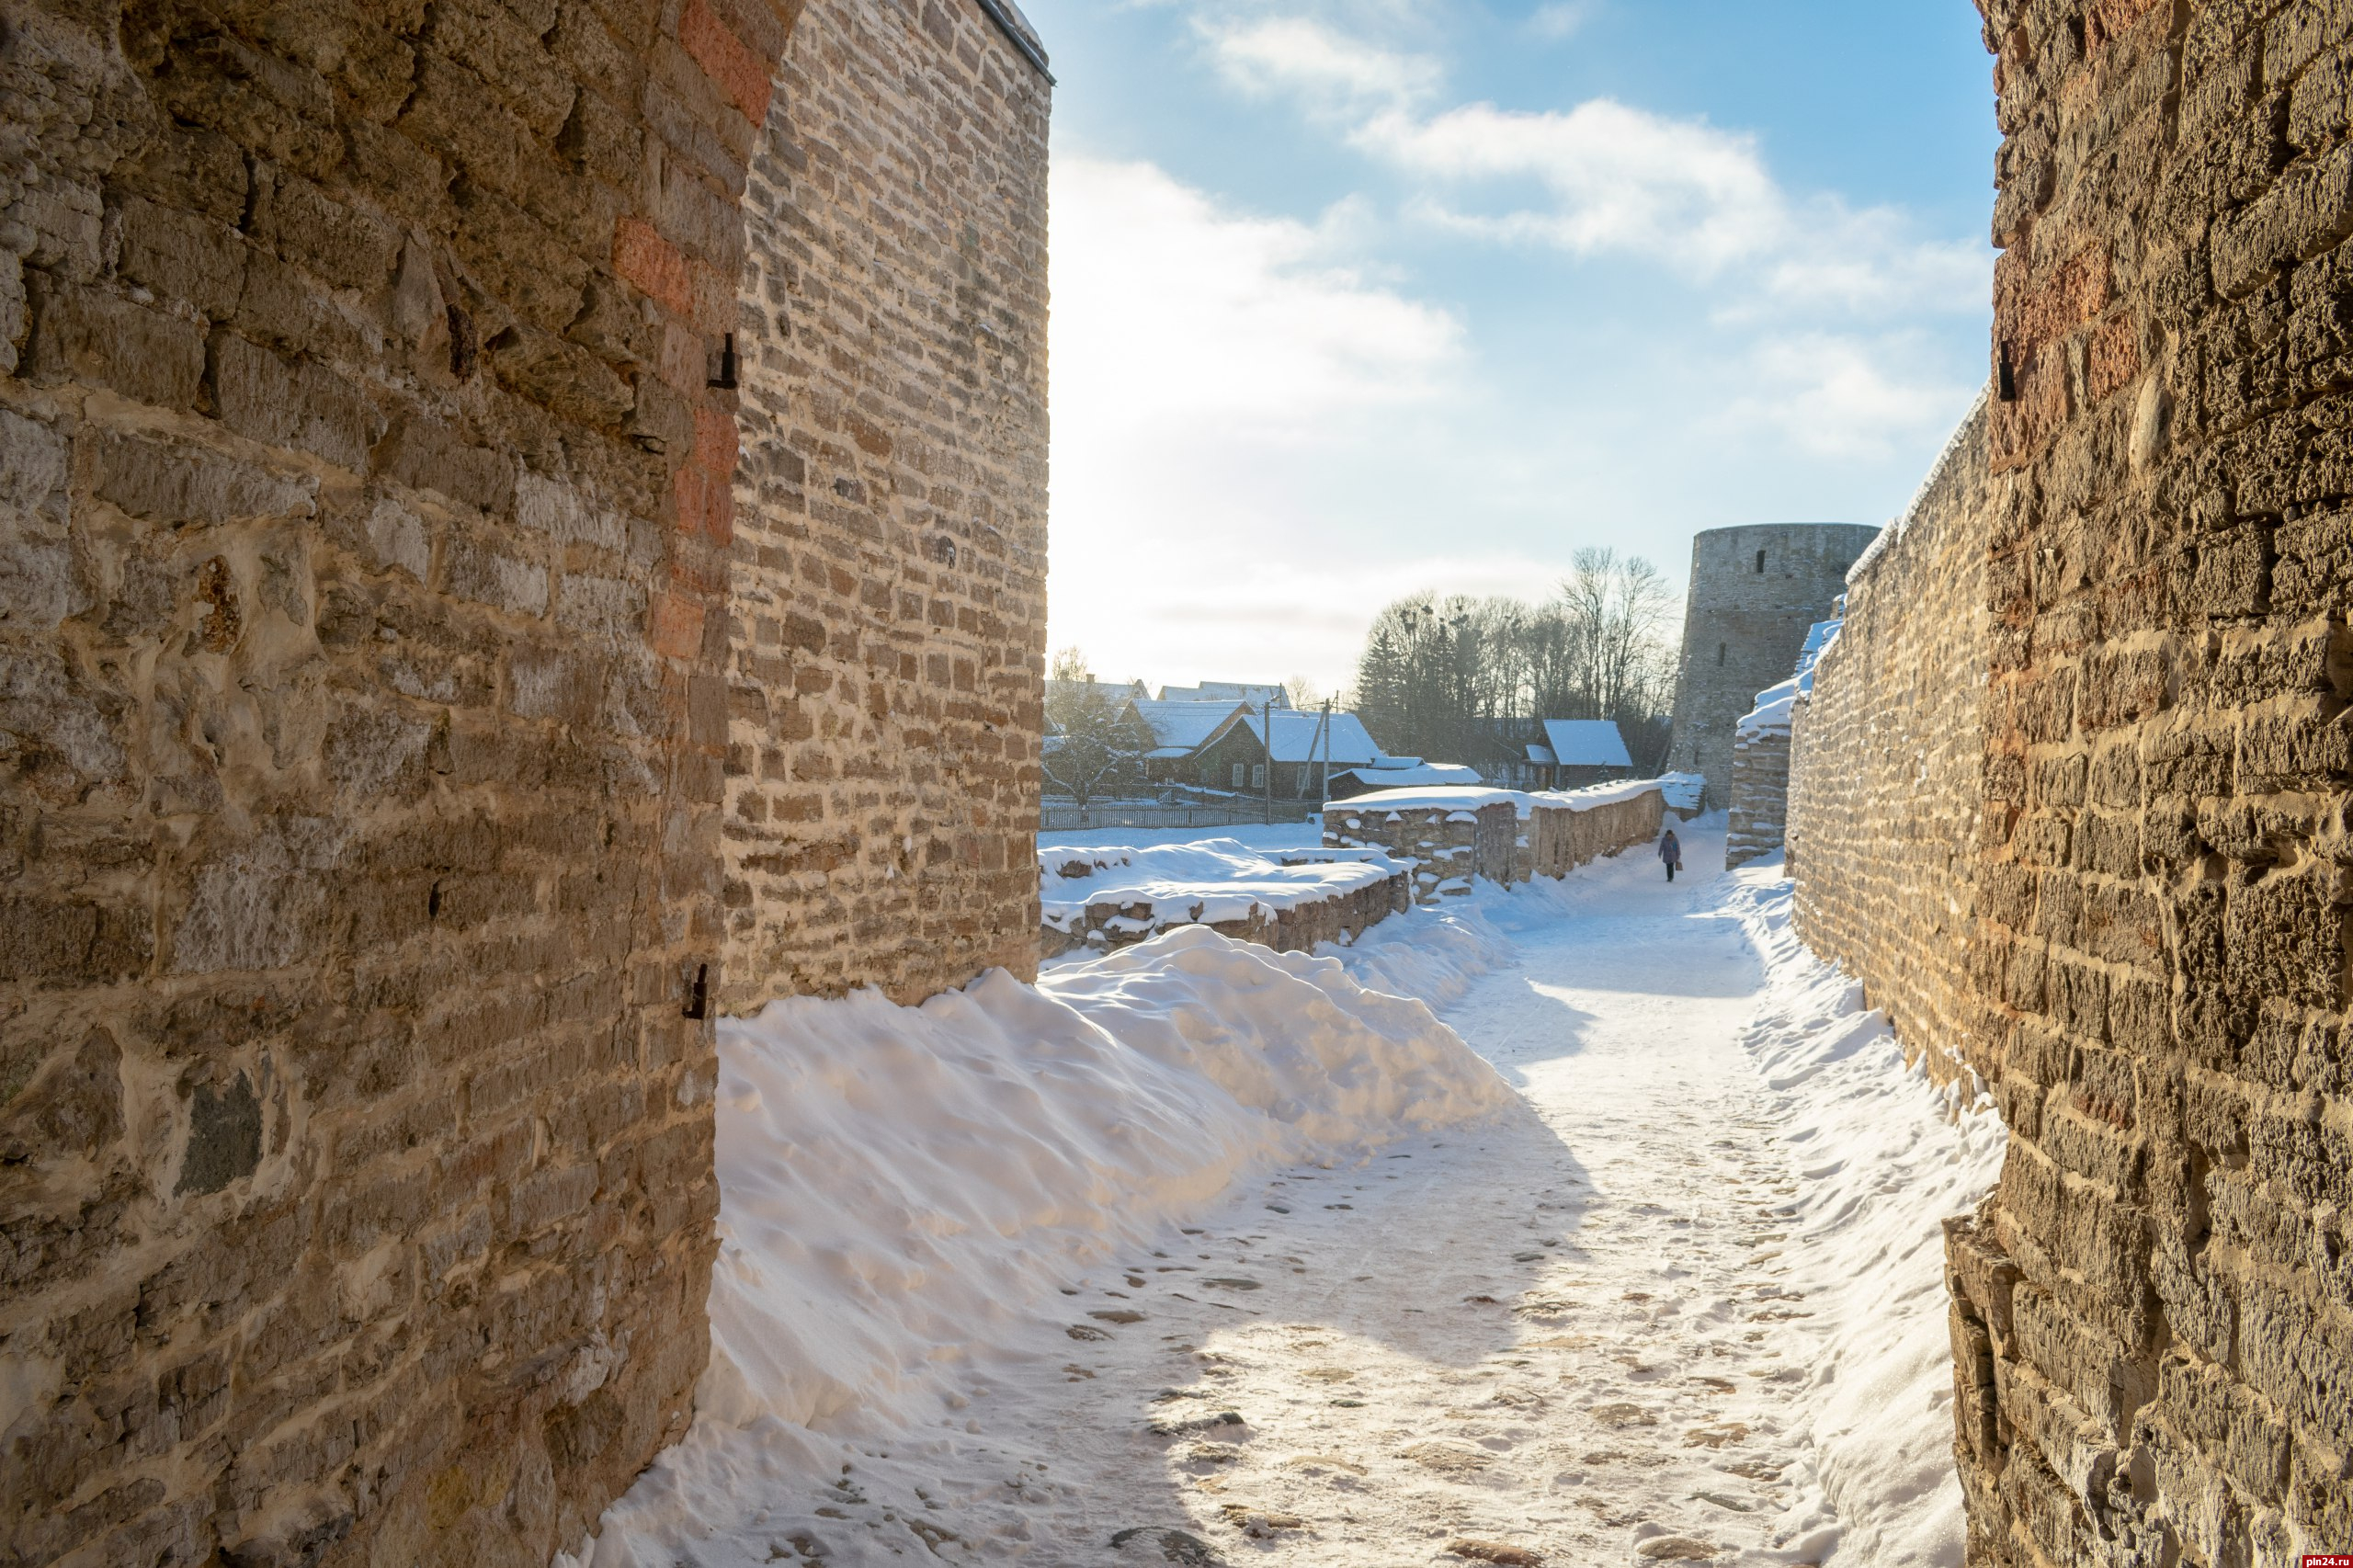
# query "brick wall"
(2154, 1321)
(1886, 762)
(365, 542)
(1743, 629)
(887, 645)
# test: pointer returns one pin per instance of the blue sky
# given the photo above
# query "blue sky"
(1354, 297)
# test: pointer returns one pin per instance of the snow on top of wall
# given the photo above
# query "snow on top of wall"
(1771, 714)
(1208, 881)
(1895, 530)
(1682, 790)
(1524, 801)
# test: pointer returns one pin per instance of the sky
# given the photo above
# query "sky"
(1356, 298)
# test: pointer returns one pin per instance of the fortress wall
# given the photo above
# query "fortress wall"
(887, 639)
(1885, 766)
(1743, 629)
(2154, 1319)
(368, 688)
(1759, 796)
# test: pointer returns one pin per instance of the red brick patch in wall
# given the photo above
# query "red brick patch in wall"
(741, 74)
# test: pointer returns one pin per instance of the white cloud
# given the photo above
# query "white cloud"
(1330, 70)
(1621, 179)
(1169, 308)
(1600, 178)
(1213, 371)
(1844, 396)
(1562, 20)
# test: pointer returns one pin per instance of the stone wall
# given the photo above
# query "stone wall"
(1446, 846)
(1743, 628)
(2153, 1318)
(887, 644)
(1886, 764)
(1759, 796)
(369, 694)
(1301, 928)
(1561, 838)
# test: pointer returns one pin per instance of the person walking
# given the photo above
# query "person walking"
(1670, 849)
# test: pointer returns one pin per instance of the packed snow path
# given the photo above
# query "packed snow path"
(1542, 1334)
(1678, 1304)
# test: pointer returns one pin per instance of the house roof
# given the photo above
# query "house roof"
(1427, 775)
(1298, 737)
(1180, 728)
(1257, 695)
(1587, 742)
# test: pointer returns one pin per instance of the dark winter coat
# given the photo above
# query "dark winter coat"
(1670, 849)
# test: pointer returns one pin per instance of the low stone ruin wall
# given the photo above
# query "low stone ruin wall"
(1449, 846)
(1760, 793)
(1301, 928)
(1562, 838)
(1446, 846)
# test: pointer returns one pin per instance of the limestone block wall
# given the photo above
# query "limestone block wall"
(886, 643)
(1562, 838)
(370, 689)
(1301, 928)
(2154, 1319)
(1759, 796)
(1886, 765)
(1446, 846)
(1743, 629)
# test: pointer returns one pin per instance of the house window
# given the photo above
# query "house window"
(1760, 563)
(1258, 776)
(1237, 776)
(1721, 649)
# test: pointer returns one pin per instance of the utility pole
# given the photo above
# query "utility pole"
(1270, 775)
(1324, 783)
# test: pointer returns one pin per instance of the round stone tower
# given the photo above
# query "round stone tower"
(1754, 590)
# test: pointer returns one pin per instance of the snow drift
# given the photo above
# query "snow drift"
(1885, 1155)
(901, 1187)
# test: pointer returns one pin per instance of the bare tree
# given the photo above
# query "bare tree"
(1464, 679)
(1094, 744)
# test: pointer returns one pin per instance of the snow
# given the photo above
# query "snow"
(1771, 714)
(1199, 1243)
(1181, 727)
(1588, 743)
(1884, 1153)
(1524, 801)
(1306, 835)
(1206, 882)
(1420, 775)
(1302, 736)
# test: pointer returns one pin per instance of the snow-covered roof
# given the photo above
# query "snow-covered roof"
(1541, 756)
(1428, 775)
(1179, 728)
(1255, 694)
(1298, 737)
(1588, 743)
